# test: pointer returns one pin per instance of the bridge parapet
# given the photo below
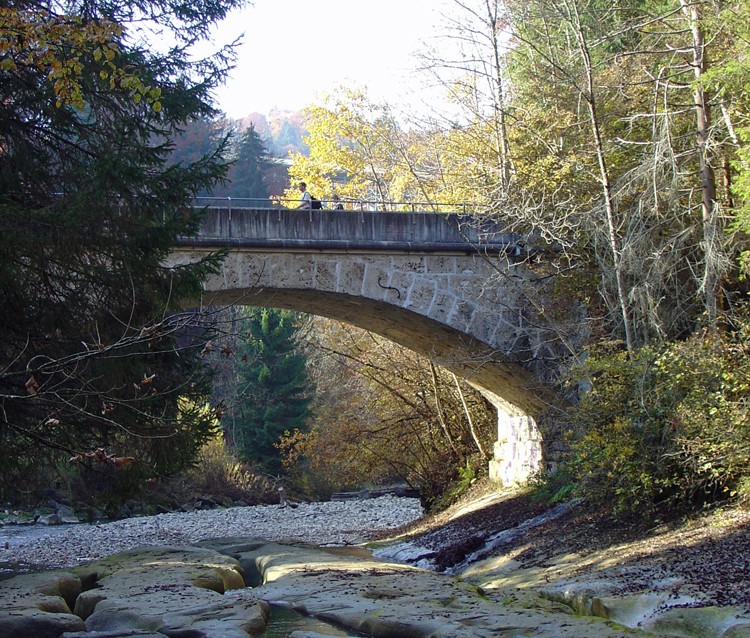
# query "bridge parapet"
(287, 229)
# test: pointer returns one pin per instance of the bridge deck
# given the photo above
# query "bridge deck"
(285, 229)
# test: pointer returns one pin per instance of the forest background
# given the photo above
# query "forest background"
(614, 135)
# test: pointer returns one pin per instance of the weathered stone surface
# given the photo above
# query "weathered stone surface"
(383, 599)
(169, 591)
(657, 609)
(36, 623)
(702, 621)
(39, 605)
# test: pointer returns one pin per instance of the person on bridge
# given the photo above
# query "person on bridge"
(335, 203)
(305, 199)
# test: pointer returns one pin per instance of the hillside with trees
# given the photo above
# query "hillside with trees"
(613, 137)
(616, 136)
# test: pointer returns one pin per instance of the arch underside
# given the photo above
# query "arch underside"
(505, 383)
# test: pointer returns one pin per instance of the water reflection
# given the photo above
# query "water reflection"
(284, 621)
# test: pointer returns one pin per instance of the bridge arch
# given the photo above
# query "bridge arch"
(420, 280)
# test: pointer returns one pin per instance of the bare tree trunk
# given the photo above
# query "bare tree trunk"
(440, 413)
(589, 95)
(502, 147)
(473, 431)
(708, 180)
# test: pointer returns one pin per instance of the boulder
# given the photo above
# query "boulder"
(172, 591)
(39, 605)
(66, 514)
(49, 519)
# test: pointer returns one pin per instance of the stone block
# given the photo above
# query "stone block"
(350, 278)
(421, 295)
(442, 306)
(400, 285)
(231, 271)
(440, 264)
(409, 263)
(462, 314)
(257, 273)
(326, 274)
(376, 281)
(483, 326)
(302, 270)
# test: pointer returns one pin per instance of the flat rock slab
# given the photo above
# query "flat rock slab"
(396, 601)
(165, 591)
(668, 606)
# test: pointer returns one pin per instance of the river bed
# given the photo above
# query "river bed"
(331, 523)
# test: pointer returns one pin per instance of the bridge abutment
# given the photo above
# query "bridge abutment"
(517, 453)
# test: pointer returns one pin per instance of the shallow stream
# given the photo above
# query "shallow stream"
(284, 621)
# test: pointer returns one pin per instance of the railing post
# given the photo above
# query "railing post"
(229, 221)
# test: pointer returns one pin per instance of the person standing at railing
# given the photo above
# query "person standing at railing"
(305, 199)
(336, 203)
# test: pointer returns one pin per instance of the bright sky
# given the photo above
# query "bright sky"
(297, 50)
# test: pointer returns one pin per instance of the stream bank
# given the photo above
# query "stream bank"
(495, 558)
(688, 578)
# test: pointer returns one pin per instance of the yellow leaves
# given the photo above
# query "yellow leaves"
(62, 47)
(359, 146)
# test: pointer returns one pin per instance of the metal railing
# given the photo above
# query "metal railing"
(277, 203)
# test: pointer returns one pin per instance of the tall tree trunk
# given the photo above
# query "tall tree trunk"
(502, 147)
(708, 179)
(589, 95)
(441, 414)
(473, 431)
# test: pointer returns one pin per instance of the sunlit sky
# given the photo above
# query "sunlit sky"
(294, 51)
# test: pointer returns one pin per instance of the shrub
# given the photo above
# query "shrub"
(665, 429)
(219, 472)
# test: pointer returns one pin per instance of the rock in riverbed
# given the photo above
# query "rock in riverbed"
(199, 592)
(163, 592)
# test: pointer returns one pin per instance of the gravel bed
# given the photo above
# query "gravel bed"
(332, 523)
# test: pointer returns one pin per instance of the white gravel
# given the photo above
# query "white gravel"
(347, 522)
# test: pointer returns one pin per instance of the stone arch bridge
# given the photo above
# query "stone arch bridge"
(442, 285)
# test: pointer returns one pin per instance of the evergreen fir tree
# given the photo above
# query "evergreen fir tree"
(246, 176)
(90, 207)
(275, 391)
